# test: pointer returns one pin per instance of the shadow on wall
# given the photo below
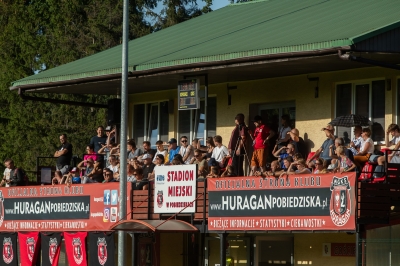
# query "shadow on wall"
(309, 143)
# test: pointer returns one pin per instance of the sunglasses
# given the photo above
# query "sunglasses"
(183, 140)
(196, 155)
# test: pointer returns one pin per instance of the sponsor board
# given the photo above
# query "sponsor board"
(175, 188)
(298, 202)
(60, 208)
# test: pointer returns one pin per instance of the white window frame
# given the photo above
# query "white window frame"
(354, 83)
(193, 117)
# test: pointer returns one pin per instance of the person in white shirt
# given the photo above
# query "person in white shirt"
(219, 154)
(366, 148)
(356, 141)
(160, 150)
(6, 178)
(186, 150)
(393, 130)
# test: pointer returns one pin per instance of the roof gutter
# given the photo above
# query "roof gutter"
(350, 57)
(166, 70)
(48, 100)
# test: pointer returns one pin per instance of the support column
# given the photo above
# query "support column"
(222, 248)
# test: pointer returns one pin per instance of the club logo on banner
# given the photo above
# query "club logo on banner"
(340, 207)
(102, 250)
(77, 249)
(30, 246)
(175, 188)
(53, 245)
(1, 207)
(8, 252)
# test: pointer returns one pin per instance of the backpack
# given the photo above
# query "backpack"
(24, 178)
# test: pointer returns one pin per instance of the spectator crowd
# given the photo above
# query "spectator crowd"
(274, 151)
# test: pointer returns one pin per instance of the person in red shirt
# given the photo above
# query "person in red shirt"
(260, 141)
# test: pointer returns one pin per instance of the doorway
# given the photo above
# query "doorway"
(237, 251)
(274, 250)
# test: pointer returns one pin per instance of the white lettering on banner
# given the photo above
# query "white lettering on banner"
(268, 202)
(175, 189)
(261, 223)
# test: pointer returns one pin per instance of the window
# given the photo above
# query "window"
(151, 122)
(367, 99)
(192, 123)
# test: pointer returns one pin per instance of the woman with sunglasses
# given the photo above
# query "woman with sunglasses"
(159, 161)
(320, 166)
(186, 150)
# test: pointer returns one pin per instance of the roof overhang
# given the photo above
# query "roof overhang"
(157, 226)
(259, 67)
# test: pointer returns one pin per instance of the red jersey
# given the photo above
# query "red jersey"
(259, 136)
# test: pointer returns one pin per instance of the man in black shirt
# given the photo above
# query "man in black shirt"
(99, 139)
(64, 155)
(148, 166)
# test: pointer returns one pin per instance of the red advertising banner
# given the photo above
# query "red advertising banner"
(89, 207)
(298, 202)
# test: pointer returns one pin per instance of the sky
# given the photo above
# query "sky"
(217, 4)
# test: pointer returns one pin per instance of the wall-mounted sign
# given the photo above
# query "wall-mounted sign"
(89, 207)
(175, 188)
(298, 202)
(188, 94)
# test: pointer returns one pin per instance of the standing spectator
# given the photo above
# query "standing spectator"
(202, 166)
(148, 165)
(186, 150)
(323, 151)
(160, 150)
(64, 155)
(236, 146)
(260, 140)
(283, 137)
(16, 175)
(133, 151)
(173, 149)
(99, 140)
(6, 177)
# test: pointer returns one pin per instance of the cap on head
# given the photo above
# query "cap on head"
(173, 140)
(146, 156)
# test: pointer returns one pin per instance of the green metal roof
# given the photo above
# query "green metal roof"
(240, 31)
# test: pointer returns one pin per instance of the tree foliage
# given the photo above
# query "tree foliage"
(36, 35)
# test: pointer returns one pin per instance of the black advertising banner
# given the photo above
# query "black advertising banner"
(29, 246)
(101, 249)
(51, 247)
(75, 247)
(295, 202)
(59, 208)
(62, 208)
(9, 248)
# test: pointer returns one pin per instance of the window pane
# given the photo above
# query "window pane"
(138, 123)
(378, 110)
(184, 123)
(164, 122)
(212, 117)
(153, 124)
(343, 107)
(362, 100)
(199, 121)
